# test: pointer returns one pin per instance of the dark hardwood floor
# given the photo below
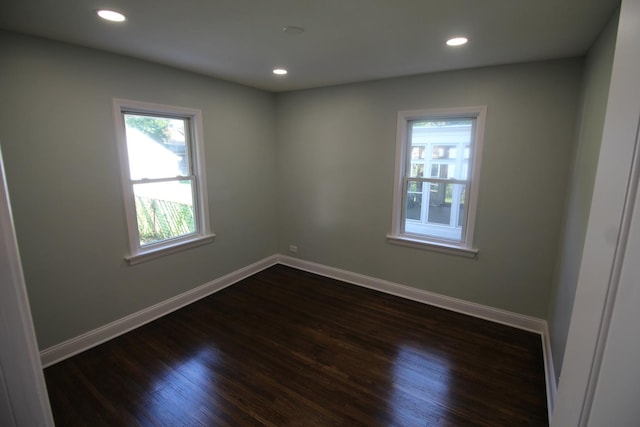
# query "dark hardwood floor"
(289, 348)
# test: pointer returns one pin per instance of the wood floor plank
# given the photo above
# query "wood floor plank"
(290, 348)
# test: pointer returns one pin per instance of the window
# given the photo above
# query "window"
(163, 176)
(438, 156)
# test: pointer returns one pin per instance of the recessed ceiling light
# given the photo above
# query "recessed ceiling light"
(292, 30)
(457, 41)
(111, 15)
(279, 71)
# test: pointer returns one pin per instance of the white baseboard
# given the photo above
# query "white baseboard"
(519, 321)
(111, 330)
(527, 323)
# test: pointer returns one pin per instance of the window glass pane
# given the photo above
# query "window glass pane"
(444, 151)
(438, 158)
(417, 152)
(449, 171)
(445, 142)
(164, 210)
(463, 196)
(414, 200)
(417, 170)
(157, 146)
(442, 170)
(438, 212)
(415, 187)
(435, 170)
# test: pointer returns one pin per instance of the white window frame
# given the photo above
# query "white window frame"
(402, 171)
(203, 234)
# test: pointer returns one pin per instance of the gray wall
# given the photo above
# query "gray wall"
(57, 135)
(336, 165)
(591, 121)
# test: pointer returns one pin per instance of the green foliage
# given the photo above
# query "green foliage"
(448, 194)
(155, 127)
(161, 220)
(441, 123)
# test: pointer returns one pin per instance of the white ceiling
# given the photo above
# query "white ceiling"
(344, 40)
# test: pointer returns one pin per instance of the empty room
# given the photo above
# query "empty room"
(339, 213)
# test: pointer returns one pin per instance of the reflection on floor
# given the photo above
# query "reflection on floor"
(289, 348)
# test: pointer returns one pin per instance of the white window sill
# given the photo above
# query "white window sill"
(432, 246)
(149, 254)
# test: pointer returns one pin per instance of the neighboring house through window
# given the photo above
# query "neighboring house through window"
(163, 175)
(438, 155)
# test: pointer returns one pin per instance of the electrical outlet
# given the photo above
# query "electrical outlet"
(293, 248)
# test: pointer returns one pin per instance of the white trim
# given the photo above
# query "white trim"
(402, 144)
(603, 255)
(23, 397)
(111, 330)
(619, 258)
(197, 156)
(401, 155)
(169, 249)
(520, 321)
(432, 246)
